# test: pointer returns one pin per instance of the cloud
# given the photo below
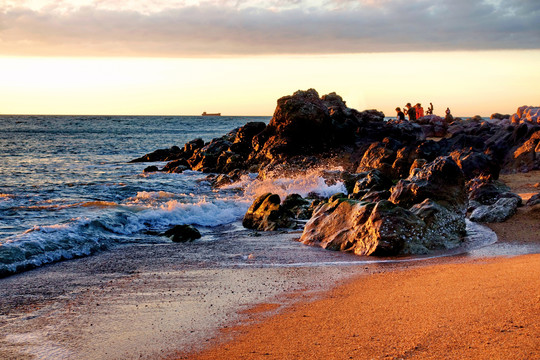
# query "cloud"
(239, 27)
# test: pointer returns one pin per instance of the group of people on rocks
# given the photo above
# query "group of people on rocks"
(416, 111)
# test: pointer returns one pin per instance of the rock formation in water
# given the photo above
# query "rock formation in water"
(406, 194)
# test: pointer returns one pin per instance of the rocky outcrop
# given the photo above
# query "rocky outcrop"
(182, 233)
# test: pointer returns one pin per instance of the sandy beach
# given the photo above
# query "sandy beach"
(487, 309)
(457, 308)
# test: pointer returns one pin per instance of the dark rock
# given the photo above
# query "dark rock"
(182, 233)
(176, 166)
(160, 155)
(499, 116)
(376, 196)
(379, 156)
(193, 145)
(486, 191)
(445, 229)
(535, 199)
(474, 163)
(298, 206)
(150, 169)
(441, 180)
(373, 180)
(501, 211)
(266, 214)
(339, 226)
(526, 157)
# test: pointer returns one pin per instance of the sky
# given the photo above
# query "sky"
(237, 57)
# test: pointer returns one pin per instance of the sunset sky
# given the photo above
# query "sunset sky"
(183, 57)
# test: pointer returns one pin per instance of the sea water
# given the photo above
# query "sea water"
(67, 188)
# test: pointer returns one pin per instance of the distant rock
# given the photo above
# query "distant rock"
(497, 116)
(182, 233)
(526, 114)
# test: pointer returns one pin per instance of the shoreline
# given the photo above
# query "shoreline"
(492, 306)
(158, 302)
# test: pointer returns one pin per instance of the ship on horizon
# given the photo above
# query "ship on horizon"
(210, 114)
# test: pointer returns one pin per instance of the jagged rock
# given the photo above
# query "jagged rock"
(266, 214)
(376, 196)
(475, 163)
(339, 226)
(526, 157)
(441, 180)
(182, 233)
(372, 180)
(379, 156)
(433, 125)
(501, 211)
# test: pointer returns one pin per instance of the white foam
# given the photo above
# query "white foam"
(312, 181)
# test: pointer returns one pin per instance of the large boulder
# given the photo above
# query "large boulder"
(267, 214)
(440, 180)
(383, 228)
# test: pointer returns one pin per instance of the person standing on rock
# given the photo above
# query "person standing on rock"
(449, 118)
(411, 111)
(419, 111)
(400, 114)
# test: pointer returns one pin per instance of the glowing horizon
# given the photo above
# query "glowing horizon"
(470, 83)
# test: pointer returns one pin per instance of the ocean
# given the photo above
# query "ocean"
(68, 189)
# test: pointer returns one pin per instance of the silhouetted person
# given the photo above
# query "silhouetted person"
(449, 118)
(400, 114)
(429, 110)
(411, 111)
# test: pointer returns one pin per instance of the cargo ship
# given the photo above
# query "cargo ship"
(210, 114)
